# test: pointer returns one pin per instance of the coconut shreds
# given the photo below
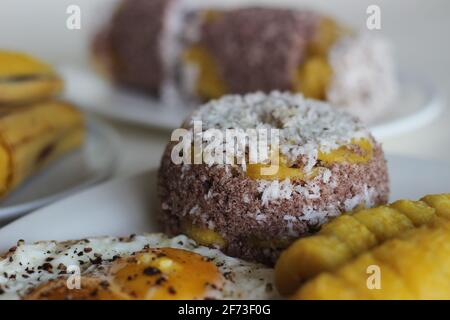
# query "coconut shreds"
(306, 126)
(364, 76)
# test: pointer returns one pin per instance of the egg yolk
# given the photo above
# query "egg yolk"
(165, 274)
(358, 151)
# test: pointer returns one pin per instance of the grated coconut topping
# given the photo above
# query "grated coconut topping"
(306, 126)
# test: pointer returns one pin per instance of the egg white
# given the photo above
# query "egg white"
(28, 265)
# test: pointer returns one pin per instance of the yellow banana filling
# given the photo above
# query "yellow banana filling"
(203, 236)
(345, 154)
(209, 83)
(26, 79)
(358, 151)
(312, 78)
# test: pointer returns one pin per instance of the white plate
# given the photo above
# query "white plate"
(417, 104)
(123, 207)
(92, 163)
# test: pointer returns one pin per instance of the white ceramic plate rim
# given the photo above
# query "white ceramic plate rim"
(138, 115)
(430, 111)
(109, 137)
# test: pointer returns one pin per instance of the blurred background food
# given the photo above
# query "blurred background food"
(167, 47)
(25, 79)
(416, 28)
(47, 147)
(35, 127)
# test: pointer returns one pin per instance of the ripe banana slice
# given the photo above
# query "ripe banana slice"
(24, 79)
(33, 135)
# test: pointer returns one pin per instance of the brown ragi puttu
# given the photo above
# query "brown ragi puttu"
(255, 218)
(131, 47)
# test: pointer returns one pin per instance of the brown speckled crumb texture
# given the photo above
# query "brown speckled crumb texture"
(229, 202)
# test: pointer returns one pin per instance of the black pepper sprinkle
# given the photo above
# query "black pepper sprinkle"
(29, 271)
(97, 260)
(80, 253)
(87, 249)
(160, 281)
(151, 271)
(62, 266)
(47, 267)
(171, 290)
(49, 259)
(228, 275)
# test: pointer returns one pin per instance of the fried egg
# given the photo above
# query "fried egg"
(148, 266)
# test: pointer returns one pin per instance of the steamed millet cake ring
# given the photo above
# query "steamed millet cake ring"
(329, 163)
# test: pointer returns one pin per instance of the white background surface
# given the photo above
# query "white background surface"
(419, 30)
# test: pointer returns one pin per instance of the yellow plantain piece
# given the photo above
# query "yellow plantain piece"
(32, 136)
(24, 79)
(415, 265)
(350, 235)
(441, 202)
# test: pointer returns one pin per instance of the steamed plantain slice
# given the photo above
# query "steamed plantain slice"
(33, 135)
(414, 266)
(350, 235)
(24, 79)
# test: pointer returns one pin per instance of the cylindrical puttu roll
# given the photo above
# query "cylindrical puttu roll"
(205, 53)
